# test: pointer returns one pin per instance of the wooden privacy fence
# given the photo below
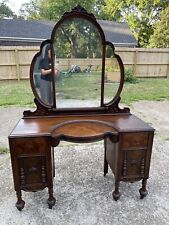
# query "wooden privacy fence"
(15, 61)
(146, 62)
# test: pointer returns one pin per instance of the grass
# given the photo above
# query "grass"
(156, 89)
(3, 150)
(19, 93)
(15, 93)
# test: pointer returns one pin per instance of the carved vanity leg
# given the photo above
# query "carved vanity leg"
(53, 161)
(20, 203)
(105, 161)
(143, 191)
(105, 167)
(51, 200)
(116, 194)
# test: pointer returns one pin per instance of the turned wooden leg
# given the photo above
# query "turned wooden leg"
(143, 191)
(51, 200)
(116, 194)
(105, 161)
(20, 203)
(105, 167)
(53, 161)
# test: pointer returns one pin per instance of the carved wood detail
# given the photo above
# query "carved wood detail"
(79, 9)
(124, 170)
(113, 107)
(22, 176)
(43, 171)
(142, 167)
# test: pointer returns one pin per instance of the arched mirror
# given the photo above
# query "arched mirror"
(78, 61)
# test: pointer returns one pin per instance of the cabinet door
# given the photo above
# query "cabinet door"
(133, 164)
(32, 172)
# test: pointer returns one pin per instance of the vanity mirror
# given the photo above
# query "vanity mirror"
(85, 73)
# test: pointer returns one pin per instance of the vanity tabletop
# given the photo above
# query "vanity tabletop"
(107, 122)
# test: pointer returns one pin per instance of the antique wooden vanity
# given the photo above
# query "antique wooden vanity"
(81, 110)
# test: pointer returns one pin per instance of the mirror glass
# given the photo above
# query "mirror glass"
(78, 64)
(42, 76)
(112, 75)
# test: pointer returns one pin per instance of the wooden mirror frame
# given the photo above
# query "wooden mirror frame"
(51, 110)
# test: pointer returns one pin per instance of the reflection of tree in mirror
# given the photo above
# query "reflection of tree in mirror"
(77, 38)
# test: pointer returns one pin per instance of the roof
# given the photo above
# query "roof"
(118, 33)
(38, 30)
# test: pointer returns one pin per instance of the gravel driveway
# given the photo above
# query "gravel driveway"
(83, 195)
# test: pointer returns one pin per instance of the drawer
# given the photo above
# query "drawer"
(30, 145)
(130, 140)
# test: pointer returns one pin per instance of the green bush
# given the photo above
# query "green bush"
(129, 76)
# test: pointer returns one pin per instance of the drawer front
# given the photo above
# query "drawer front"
(131, 140)
(32, 145)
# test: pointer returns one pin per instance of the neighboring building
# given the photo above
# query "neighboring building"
(19, 32)
(118, 33)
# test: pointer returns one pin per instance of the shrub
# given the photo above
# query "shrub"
(129, 76)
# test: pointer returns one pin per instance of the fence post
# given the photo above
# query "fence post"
(167, 74)
(135, 63)
(17, 64)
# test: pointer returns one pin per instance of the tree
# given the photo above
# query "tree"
(112, 10)
(160, 38)
(5, 11)
(73, 35)
(30, 10)
(53, 10)
(140, 15)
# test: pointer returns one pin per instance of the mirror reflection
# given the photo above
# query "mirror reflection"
(112, 75)
(78, 59)
(43, 76)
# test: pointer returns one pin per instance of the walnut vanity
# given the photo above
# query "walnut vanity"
(78, 43)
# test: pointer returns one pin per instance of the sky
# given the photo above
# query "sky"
(15, 4)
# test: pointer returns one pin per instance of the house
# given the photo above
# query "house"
(19, 32)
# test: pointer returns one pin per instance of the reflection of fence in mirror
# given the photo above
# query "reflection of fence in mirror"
(112, 75)
(79, 59)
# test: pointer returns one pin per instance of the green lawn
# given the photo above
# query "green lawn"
(156, 89)
(19, 93)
